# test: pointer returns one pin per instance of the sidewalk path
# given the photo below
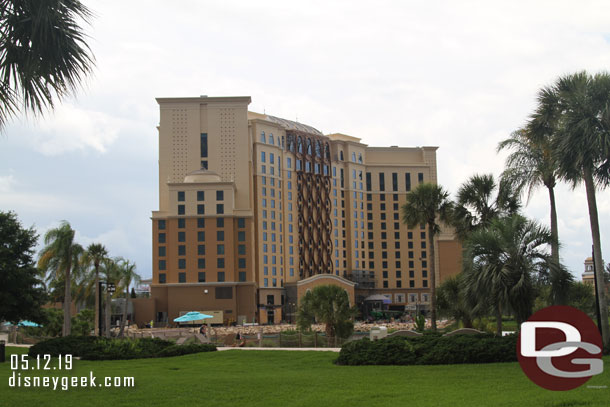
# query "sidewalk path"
(288, 349)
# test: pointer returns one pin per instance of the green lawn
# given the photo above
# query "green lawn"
(281, 378)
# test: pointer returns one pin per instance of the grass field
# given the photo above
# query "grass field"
(280, 378)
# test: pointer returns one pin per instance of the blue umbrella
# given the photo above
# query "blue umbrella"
(192, 316)
(22, 323)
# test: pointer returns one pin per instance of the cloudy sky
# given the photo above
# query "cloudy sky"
(458, 75)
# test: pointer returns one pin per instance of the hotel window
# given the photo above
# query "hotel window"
(204, 145)
(220, 209)
(180, 209)
(263, 138)
(220, 249)
(424, 273)
(181, 223)
(162, 265)
(201, 249)
(201, 209)
(221, 276)
(394, 181)
(385, 284)
(181, 264)
(420, 177)
(271, 139)
(204, 164)
(241, 236)
(263, 169)
(161, 278)
(220, 235)
(241, 223)
(161, 237)
(288, 162)
(425, 283)
(201, 223)
(271, 158)
(181, 250)
(180, 196)
(242, 276)
(220, 195)
(263, 157)
(241, 263)
(201, 277)
(220, 222)
(381, 181)
(161, 224)
(411, 283)
(161, 251)
(353, 157)
(360, 158)
(408, 181)
(182, 277)
(200, 195)
(220, 263)
(266, 282)
(181, 236)
(201, 236)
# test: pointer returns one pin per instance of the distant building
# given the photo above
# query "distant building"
(255, 210)
(588, 277)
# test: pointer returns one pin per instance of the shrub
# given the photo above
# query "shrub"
(430, 349)
(74, 345)
(178, 350)
(94, 348)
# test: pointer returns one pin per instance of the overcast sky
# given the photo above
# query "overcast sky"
(458, 75)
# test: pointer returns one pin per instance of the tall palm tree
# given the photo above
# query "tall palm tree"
(480, 200)
(424, 205)
(503, 259)
(531, 164)
(43, 53)
(111, 270)
(96, 253)
(582, 149)
(59, 257)
(129, 276)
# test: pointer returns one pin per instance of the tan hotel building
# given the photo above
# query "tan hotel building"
(254, 210)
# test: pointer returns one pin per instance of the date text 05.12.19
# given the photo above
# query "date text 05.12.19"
(41, 362)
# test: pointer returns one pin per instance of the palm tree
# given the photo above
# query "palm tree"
(477, 206)
(531, 164)
(451, 301)
(112, 273)
(582, 150)
(59, 257)
(502, 260)
(43, 54)
(96, 253)
(129, 276)
(424, 204)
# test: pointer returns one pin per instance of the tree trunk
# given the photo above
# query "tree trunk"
(107, 311)
(97, 301)
(554, 231)
(498, 320)
(597, 252)
(67, 302)
(432, 271)
(124, 319)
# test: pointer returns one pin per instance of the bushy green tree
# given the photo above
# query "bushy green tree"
(82, 323)
(451, 303)
(21, 292)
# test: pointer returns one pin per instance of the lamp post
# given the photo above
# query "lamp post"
(110, 288)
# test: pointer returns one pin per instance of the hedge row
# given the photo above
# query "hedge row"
(430, 349)
(94, 348)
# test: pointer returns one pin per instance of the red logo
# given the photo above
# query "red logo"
(560, 348)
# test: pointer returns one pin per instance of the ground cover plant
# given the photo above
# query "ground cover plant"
(430, 349)
(94, 348)
(278, 378)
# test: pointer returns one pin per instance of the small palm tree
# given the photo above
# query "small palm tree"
(450, 301)
(480, 200)
(582, 150)
(111, 270)
(60, 257)
(94, 256)
(43, 53)
(502, 261)
(424, 205)
(129, 276)
(329, 305)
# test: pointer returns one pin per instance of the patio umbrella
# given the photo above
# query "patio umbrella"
(192, 316)
(22, 323)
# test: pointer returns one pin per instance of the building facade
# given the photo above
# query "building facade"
(255, 209)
